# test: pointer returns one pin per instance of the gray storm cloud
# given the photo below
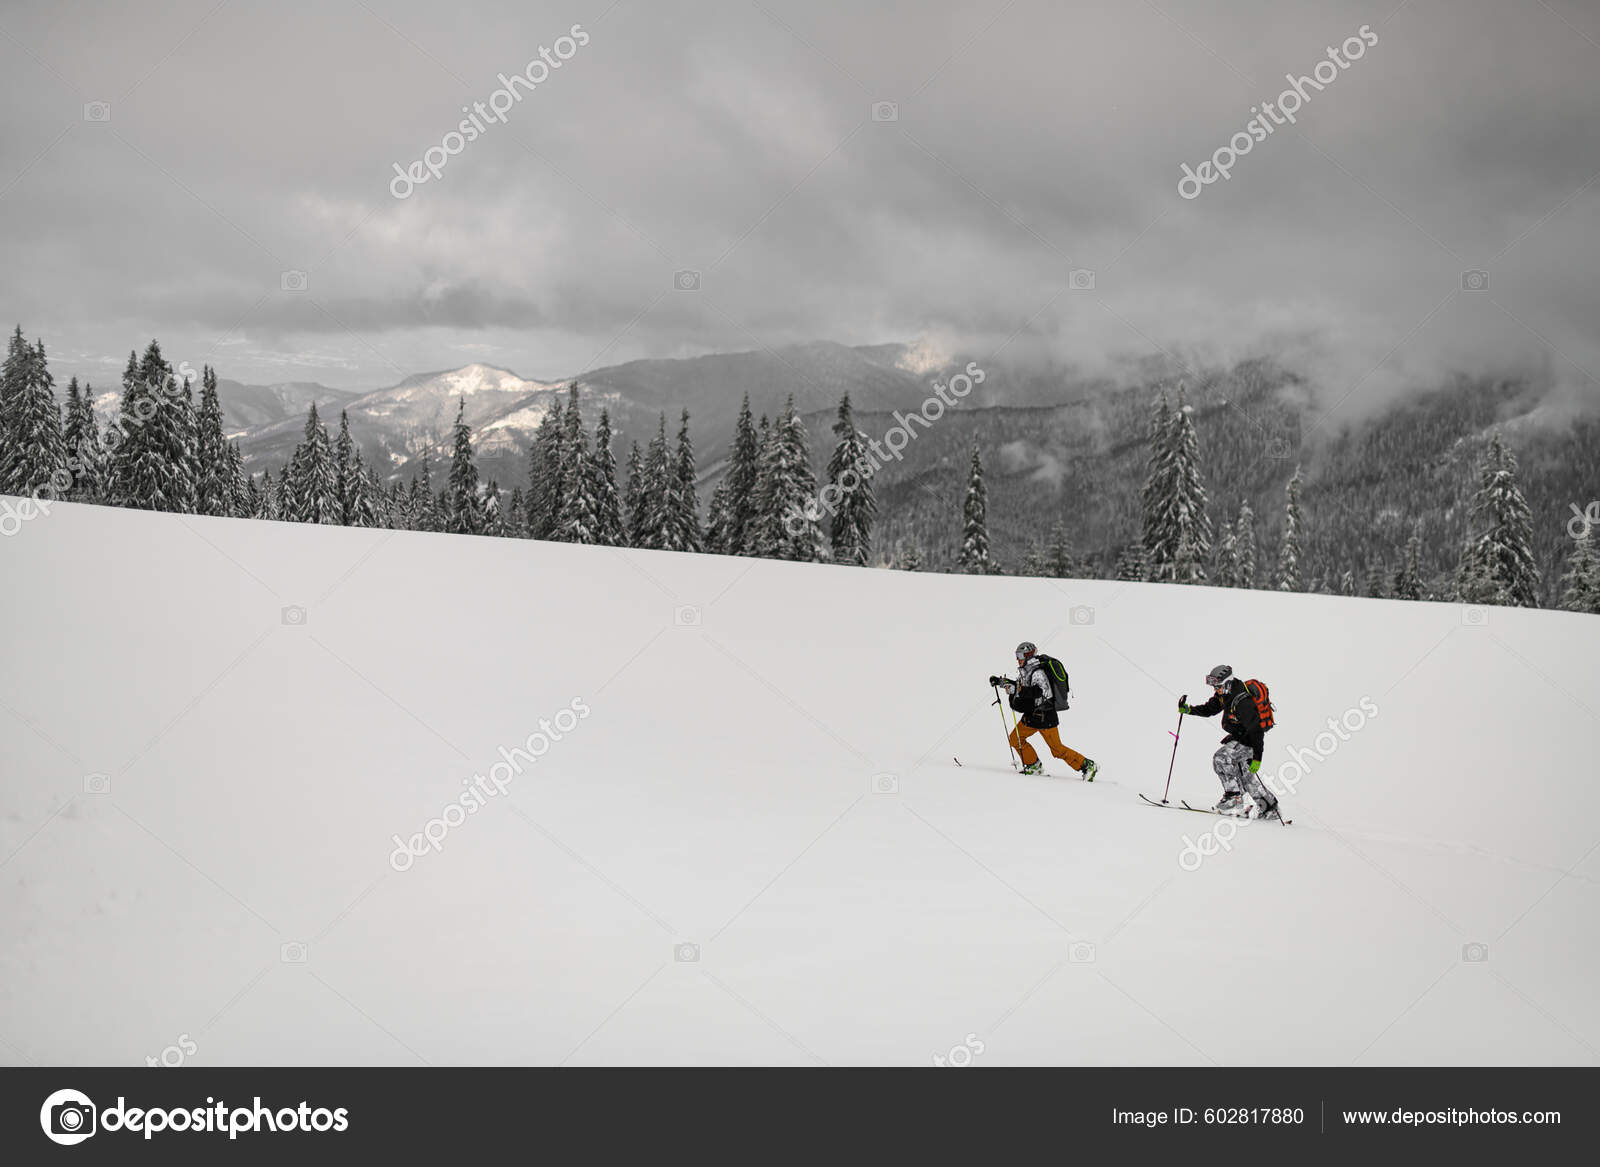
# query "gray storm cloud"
(860, 173)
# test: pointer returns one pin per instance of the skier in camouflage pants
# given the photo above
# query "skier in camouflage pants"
(1238, 761)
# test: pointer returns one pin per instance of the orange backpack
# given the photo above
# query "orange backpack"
(1258, 694)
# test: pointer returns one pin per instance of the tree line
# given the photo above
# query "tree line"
(166, 451)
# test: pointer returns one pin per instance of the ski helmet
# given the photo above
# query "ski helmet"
(1218, 676)
(1026, 649)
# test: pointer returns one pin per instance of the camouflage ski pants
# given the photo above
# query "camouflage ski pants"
(1232, 764)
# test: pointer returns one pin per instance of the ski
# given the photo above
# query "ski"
(1221, 815)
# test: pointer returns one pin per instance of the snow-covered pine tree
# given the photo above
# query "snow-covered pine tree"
(1225, 568)
(1289, 553)
(546, 464)
(910, 558)
(34, 457)
(313, 491)
(1244, 546)
(424, 506)
(214, 467)
(1186, 565)
(578, 521)
(13, 380)
(1175, 497)
(270, 495)
(344, 469)
(759, 538)
(654, 484)
(609, 529)
(634, 497)
(1160, 487)
(1060, 564)
(717, 519)
(1580, 586)
(743, 469)
(516, 524)
(462, 512)
(1033, 563)
(1408, 578)
(1377, 579)
(238, 484)
(365, 508)
(1498, 565)
(974, 557)
(151, 467)
(681, 512)
(86, 455)
(793, 531)
(855, 506)
(255, 505)
(1132, 564)
(492, 512)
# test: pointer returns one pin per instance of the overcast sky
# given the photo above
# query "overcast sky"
(247, 139)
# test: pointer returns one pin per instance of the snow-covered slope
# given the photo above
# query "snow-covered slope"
(755, 770)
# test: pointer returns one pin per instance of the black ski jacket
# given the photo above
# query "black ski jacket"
(1241, 720)
(1034, 699)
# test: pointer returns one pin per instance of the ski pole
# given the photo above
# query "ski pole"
(1010, 753)
(1184, 700)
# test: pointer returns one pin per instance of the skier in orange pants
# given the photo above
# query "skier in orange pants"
(1034, 695)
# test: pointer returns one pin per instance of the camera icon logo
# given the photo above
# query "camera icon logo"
(1473, 616)
(1081, 953)
(97, 783)
(1080, 279)
(1278, 448)
(294, 952)
(687, 280)
(97, 111)
(292, 281)
(1475, 953)
(686, 616)
(1475, 281)
(885, 784)
(885, 111)
(1081, 615)
(294, 615)
(67, 1117)
(686, 953)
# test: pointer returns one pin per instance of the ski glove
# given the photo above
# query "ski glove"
(1255, 765)
(1185, 707)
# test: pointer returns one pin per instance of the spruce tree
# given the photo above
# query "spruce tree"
(974, 558)
(238, 483)
(214, 481)
(492, 514)
(578, 521)
(1033, 563)
(270, 492)
(33, 459)
(365, 508)
(546, 466)
(13, 382)
(516, 522)
(151, 468)
(1060, 563)
(1225, 571)
(759, 536)
(1408, 579)
(1244, 545)
(609, 529)
(346, 483)
(1133, 564)
(743, 470)
(853, 502)
(86, 456)
(681, 506)
(462, 514)
(788, 526)
(634, 499)
(1498, 565)
(717, 520)
(424, 506)
(1580, 586)
(1174, 496)
(654, 484)
(1289, 553)
(1160, 486)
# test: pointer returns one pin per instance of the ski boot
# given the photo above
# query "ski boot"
(1089, 770)
(1231, 801)
(1267, 811)
(1033, 768)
